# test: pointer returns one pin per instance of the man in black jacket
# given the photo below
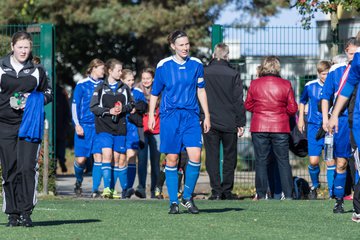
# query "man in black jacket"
(225, 99)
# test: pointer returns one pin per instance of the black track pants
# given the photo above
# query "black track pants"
(19, 171)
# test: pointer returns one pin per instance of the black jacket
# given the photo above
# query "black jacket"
(29, 78)
(224, 92)
(103, 99)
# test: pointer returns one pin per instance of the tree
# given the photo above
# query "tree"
(308, 9)
(134, 31)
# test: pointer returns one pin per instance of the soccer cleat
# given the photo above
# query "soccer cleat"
(129, 192)
(313, 192)
(77, 189)
(114, 194)
(95, 194)
(14, 220)
(339, 206)
(190, 206)
(174, 208)
(158, 193)
(355, 217)
(106, 193)
(140, 193)
(26, 220)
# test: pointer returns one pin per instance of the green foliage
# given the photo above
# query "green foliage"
(135, 32)
(308, 8)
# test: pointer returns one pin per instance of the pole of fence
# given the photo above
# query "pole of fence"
(46, 158)
(217, 37)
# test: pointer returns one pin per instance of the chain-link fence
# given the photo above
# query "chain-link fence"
(299, 51)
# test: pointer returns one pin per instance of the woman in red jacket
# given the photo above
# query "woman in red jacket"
(271, 101)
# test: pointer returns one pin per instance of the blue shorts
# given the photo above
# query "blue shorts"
(96, 145)
(179, 129)
(84, 146)
(132, 136)
(115, 142)
(342, 147)
(314, 147)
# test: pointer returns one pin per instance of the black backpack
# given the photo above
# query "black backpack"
(301, 188)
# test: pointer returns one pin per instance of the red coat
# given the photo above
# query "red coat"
(271, 100)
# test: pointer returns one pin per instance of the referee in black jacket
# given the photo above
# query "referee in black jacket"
(225, 99)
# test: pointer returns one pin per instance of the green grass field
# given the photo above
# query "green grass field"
(66, 218)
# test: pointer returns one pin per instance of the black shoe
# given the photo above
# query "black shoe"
(63, 167)
(229, 196)
(313, 192)
(14, 220)
(140, 193)
(95, 194)
(190, 206)
(26, 220)
(174, 208)
(339, 206)
(129, 192)
(214, 197)
(77, 189)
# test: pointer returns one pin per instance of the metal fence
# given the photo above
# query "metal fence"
(299, 51)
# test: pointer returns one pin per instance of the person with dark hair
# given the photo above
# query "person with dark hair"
(224, 89)
(311, 96)
(21, 128)
(84, 120)
(111, 102)
(151, 141)
(350, 91)
(180, 79)
(335, 80)
(271, 101)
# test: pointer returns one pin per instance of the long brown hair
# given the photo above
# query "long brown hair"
(93, 64)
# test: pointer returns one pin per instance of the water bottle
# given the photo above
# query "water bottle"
(18, 101)
(329, 147)
(115, 118)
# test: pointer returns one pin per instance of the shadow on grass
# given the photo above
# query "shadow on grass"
(62, 222)
(221, 210)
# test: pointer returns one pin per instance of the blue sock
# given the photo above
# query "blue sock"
(339, 184)
(131, 173)
(330, 172)
(171, 176)
(106, 171)
(79, 171)
(123, 178)
(356, 177)
(314, 172)
(192, 174)
(96, 175)
(112, 179)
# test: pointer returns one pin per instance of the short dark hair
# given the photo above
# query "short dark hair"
(175, 35)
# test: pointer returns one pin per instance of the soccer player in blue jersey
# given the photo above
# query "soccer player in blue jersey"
(351, 89)
(84, 120)
(179, 79)
(132, 123)
(311, 95)
(111, 102)
(342, 150)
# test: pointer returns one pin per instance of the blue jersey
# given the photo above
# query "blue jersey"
(113, 86)
(80, 109)
(354, 76)
(138, 95)
(332, 83)
(311, 95)
(178, 83)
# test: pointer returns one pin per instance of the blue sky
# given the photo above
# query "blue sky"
(287, 17)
